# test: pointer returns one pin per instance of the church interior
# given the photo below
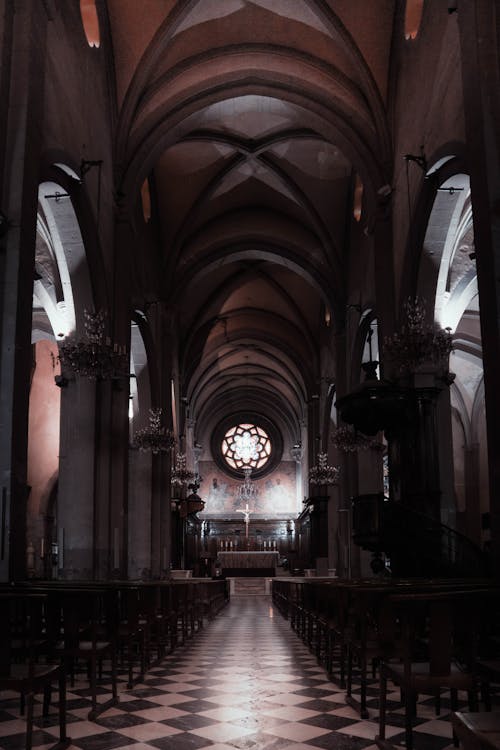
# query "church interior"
(250, 352)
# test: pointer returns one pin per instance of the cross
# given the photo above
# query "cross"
(246, 513)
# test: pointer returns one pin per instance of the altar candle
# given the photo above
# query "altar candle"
(42, 547)
(265, 543)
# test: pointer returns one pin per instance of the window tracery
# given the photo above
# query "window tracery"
(246, 446)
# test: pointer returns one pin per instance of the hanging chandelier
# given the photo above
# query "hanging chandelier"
(154, 438)
(181, 476)
(417, 342)
(94, 356)
(322, 474)
(350, 440)
(247, 491)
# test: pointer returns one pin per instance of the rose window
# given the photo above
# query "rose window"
(246, 446)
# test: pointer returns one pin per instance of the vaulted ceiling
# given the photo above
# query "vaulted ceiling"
(252, 119)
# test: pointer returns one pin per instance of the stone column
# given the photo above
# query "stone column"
(75, 504)
(139, 515)
(118, 393)
(472, 500)
(161, 323)
(23, 47)
(478, 28)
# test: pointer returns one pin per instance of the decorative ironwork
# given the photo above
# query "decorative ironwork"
(417, 342)
(349, 440)
(154, 438)
(246, 445)
(181, 476)
(322, 474)
(94, 356)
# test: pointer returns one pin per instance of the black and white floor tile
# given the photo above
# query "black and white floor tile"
(244, 682)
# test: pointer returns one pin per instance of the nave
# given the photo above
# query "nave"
(246, 682)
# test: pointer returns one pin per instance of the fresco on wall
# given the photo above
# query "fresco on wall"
(277, 491)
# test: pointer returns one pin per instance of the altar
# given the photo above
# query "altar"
(245, 563)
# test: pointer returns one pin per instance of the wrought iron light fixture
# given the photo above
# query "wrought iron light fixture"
(417, 342)
(94, 356)
(181, 476)
(154, 438)
(247, 491)
(322, 474)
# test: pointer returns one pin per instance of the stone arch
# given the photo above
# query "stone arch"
(447, 280)
(63, 290)
(60, 277)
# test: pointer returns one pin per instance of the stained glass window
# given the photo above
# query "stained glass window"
(246, 445)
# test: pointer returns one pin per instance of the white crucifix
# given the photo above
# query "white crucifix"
(246, 513)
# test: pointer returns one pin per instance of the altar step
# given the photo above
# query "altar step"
(249, 586)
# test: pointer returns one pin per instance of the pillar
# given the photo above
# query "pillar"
(478, 29)
(22, 84)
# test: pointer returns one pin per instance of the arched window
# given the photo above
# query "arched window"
(357, 203)
(448, 277)
(90, 22)
(146, 201)
(413, 17)
(60, 283)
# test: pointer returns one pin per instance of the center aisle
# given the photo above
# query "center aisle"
(244, 682)
(248, 682)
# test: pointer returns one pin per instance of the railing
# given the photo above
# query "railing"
(416, 544)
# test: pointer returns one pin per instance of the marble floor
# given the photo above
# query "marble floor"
(244, 682)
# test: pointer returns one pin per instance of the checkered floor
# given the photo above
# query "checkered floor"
(245, 682)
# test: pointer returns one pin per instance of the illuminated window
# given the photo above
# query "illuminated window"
(90, 22)
(146, 201)
(357, 198)
(246, 445)
(413, 17)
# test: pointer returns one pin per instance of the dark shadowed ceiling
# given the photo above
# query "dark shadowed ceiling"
(252, 119)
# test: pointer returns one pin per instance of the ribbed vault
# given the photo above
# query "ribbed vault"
(252, 119)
